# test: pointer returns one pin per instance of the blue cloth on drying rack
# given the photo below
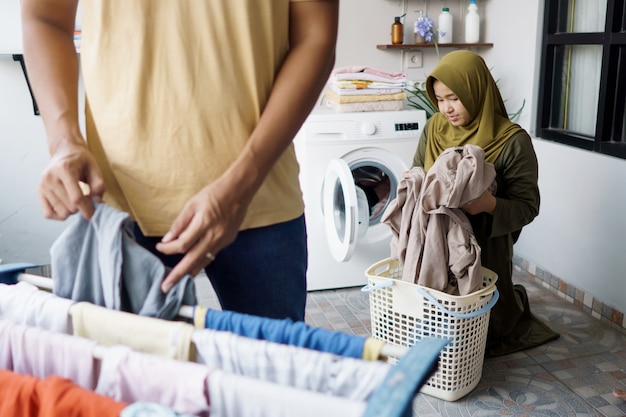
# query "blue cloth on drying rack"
(99, 261)
(287, 332)
(394, 398)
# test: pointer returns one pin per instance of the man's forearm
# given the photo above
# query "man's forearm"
(298, 83)
(52, 66)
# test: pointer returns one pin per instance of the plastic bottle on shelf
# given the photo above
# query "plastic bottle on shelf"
(472, 23)
(417, 38)
(445, 26)
(397, 31)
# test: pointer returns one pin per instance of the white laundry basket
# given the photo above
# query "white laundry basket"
(403, 313)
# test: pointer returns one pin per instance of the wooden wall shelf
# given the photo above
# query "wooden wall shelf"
(432, 45)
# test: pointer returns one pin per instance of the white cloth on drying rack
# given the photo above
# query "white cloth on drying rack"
(289, 365)
(24, 303)
(239, 396)
(42, 353)
(143, 409)
(186, 387)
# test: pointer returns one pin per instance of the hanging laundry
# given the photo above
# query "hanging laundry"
(42, 353)
(169, 339)
(431, 236)
(24, 303)
(28, 396)
(144, 409)
(131, 376)
(263, 399)
(289, 365)
(183, 388)
(99, 261)
(293, 333)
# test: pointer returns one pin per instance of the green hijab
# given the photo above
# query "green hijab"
(467, 75)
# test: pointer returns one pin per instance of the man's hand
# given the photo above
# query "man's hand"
(211, 219)
(60, 193)
(208, 222)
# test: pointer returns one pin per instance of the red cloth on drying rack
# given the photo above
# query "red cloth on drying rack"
(28, 396)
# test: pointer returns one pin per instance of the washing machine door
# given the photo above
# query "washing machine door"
(346, 210)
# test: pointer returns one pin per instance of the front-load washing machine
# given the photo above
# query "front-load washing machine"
(350, 167)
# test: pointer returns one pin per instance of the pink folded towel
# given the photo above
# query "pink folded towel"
(397, 76)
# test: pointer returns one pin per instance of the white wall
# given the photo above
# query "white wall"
(577, 237)
(367, 23)
(10, 28)
(25, 236)
(579, 233)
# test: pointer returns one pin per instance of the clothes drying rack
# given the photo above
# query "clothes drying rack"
(392, 399)
(16, 272)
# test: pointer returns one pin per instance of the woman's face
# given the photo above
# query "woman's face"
(450, 105)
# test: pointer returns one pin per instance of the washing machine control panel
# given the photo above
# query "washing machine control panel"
(402, 124)
(368, 128)
(325, 126)
(407, 127)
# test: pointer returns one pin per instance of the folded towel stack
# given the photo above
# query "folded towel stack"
(360, 88)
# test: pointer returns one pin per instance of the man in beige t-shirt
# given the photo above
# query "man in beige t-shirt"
(190, 111)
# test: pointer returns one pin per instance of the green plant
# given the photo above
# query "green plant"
(418, 98)
(514, 116)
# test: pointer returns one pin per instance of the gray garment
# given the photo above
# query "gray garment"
(100, 262)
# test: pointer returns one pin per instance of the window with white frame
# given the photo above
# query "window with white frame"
(582, 91)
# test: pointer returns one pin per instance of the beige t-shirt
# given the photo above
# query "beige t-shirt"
(173, 90)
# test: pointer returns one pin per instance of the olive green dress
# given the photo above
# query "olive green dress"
(507, 145)
(512, 326)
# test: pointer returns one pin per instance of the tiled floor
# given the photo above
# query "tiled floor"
(572, 376)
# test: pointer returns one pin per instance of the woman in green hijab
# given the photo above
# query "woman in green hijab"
(471, 111)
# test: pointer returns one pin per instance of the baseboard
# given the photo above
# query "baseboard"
(581, 299)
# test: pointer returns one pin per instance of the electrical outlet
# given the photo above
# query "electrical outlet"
(413, 59)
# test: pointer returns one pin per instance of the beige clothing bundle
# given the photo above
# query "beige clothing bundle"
(431, 236)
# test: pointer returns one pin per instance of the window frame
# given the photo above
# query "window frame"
(610, 134)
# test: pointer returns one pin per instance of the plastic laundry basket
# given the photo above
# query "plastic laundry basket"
(403, 313)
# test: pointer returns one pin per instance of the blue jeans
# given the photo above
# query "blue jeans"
(263, 272)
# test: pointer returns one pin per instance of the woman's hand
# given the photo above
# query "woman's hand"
(486, 203)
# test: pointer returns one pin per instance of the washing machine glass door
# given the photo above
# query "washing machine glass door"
(346, 210)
